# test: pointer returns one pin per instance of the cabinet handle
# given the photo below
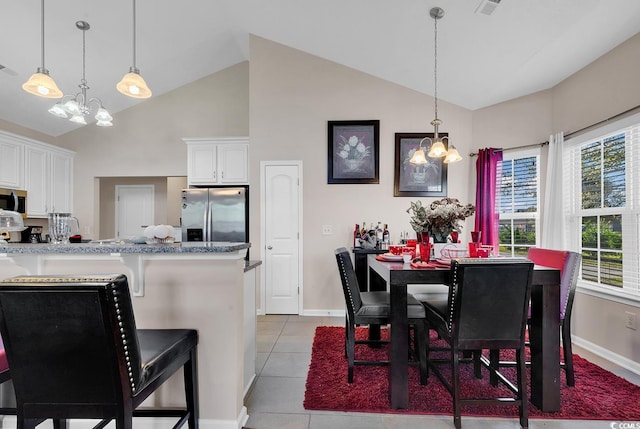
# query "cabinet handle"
(222, 175)
(269, 247)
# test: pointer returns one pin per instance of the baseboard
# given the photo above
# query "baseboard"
(607, 354)
(141, 422)
(323, 313)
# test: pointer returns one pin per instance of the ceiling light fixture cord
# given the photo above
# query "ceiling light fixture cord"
(435, 64)
(134, 35)
(42, 32)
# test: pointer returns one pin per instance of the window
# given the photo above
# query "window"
(518, 202)
(601, 172)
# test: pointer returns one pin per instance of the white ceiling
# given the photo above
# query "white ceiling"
(523, 47)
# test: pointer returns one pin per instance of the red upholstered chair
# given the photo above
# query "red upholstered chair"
(569, 264)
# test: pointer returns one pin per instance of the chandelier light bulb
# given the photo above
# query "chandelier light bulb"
(78, 119)
(437, 150)
(58, 110)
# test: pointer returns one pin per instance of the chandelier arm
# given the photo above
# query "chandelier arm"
(426, 138)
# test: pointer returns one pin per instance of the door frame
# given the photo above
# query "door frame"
(263, 285)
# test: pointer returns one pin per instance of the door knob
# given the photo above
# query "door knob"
(269, 247)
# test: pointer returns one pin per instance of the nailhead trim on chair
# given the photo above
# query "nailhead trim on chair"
(124, 338)
(346, 279)
(454, 285)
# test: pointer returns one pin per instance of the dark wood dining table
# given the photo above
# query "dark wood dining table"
(544, 334)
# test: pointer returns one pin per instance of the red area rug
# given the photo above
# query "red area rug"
(598, 394)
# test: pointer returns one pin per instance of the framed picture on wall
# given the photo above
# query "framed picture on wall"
(427, 180)
(353, 152)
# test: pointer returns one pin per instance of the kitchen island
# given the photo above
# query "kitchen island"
(206, 286)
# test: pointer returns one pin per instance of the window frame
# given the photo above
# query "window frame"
(512, 155)
(630, 213)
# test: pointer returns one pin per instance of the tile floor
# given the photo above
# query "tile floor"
(284, 353)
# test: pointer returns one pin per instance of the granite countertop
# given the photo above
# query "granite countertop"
(111, 246)
(251, 264)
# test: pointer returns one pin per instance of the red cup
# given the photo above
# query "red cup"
(454, 236)
(476, 236)
(425, 252)
(412, 243)
(473, 250)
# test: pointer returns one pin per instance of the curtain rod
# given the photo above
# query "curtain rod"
(515, 148)
(604, 121)
(576, 133)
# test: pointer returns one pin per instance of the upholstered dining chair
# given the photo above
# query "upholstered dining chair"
(365, 308)
(75, 352)
(486, 308)
(569, 264)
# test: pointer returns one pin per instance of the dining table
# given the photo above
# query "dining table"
(544, 329)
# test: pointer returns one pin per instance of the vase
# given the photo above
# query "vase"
(423, 237)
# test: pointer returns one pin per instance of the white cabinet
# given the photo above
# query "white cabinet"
(218, 161)
(11, 159)
(48, 180)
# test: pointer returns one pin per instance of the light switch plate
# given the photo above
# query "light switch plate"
(327, 229)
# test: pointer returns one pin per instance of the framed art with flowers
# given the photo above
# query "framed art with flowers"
(427, 180)
(353, 152)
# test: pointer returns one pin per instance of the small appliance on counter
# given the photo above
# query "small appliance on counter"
(32, 234)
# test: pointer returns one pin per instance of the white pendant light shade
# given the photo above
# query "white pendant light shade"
(437, 150)
(418, 157)
(72, 107)
(104, 118)
(133, 85)
(42, 85)
(452, 155)
(78, 119)
(58, 110)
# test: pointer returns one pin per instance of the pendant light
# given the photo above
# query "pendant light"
(40, 83)
(132, 84)
(438, 149)
(79, 105)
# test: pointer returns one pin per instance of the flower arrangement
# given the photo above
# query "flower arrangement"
(440, 217)
(353, 149)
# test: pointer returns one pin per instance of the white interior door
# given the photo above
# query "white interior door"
(282, 218)
(134, 208)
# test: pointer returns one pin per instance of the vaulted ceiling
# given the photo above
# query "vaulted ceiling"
(522, 47)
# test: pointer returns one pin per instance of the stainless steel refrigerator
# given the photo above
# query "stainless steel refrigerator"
(215, 214)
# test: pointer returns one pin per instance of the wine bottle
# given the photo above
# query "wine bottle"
(356, 234)
(386, 238)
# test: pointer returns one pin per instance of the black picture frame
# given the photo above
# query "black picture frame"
(353, 155)
(429, 180)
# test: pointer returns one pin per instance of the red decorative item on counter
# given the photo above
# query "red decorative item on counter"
(454, 236)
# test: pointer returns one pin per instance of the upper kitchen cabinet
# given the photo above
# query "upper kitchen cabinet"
(48, 180)
(218, 161)
(11, 160)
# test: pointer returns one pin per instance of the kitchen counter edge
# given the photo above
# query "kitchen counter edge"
(96, 248)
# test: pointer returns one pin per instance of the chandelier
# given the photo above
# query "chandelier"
(438, 149)
(76, 107)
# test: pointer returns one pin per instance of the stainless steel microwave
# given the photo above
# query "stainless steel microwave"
(14, 200)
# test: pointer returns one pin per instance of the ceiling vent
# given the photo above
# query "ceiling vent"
(486, 7)
(8, 71)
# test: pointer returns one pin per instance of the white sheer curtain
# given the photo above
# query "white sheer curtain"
(552, 236)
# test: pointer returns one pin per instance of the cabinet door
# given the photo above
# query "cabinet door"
(36, 181)
(202, 164)
(61, 169)
(11, 165)
(233, 163)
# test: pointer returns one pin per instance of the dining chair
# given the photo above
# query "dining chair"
(486, 308)
(75, 352)
(372, 308)
(568, 263)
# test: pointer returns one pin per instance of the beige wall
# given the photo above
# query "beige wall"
(293, 95)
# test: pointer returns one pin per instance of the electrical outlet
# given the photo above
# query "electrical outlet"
(327, 230)
(631, 320)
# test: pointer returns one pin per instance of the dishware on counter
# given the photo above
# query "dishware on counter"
(10, 221)
(61, 227)
(406, 258)
(425, 251)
